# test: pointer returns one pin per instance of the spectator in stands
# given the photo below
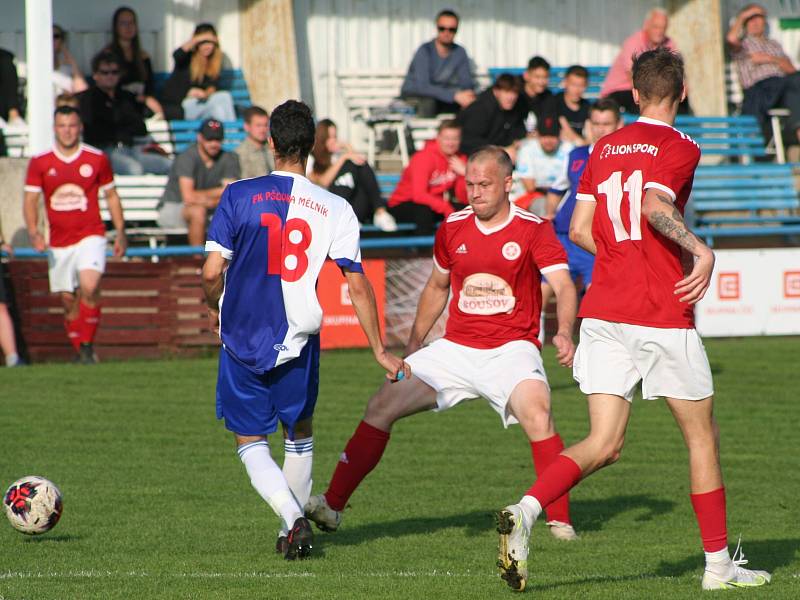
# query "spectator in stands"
(495, 118)
(67, 77)
(432, 185)
(112, 121)
(191, 91)
(137, 69)
(540, 163)
(439, 78)
(619, 83)
(196, 181)
(536, 94)
(334, 165)
(68, 100)
(571, 107)
(9, 90)
(8, 344)
(766, 73)
(255, 157)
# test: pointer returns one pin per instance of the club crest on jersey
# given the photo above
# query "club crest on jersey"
(85, 170)
(486, 294)
(511, 251)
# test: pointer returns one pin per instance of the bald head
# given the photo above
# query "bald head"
(496, 154)
(655, 26)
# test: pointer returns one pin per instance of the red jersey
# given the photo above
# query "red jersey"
(495, 275)
(70, 185)
(636, 267)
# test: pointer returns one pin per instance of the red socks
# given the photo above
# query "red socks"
(82, 329)
(360, 456)
(558, 479)
(90, 319)
(544, 453)
(73, 328)
(711, 516)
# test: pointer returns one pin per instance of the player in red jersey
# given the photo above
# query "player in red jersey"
(638, 319)
(70, 177)
(492, 254)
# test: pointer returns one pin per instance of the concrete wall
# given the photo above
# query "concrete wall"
(12, 176)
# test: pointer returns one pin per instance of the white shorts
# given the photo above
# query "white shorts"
(459, 372)
(613, 357)
(66, 262)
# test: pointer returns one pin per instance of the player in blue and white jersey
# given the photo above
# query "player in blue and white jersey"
(604, 118)
(267, 243)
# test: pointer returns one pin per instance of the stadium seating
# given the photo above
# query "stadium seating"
(229, 79)
(597, 75)
(745, 201)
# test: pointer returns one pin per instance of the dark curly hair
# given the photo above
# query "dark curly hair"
(292, 131)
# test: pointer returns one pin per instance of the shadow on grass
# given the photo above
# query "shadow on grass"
(767, 555)
(591, 515)
(52, 539)
(587, 516)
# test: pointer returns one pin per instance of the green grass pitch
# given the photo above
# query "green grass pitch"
(157, 504)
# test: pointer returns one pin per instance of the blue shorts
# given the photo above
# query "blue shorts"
(580, 261)
(252, 404)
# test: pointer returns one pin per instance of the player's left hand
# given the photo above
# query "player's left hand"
(393, 365)
(213, 320)
(565, 349)
(120, 245)
(692, 288)
(7, 249)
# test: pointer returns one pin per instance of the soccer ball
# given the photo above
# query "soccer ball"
(33, 505)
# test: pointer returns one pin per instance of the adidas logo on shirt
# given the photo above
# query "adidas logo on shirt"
(462, 249)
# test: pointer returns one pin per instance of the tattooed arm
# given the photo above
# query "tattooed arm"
(663, 216)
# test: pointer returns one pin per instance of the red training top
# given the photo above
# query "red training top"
(636, 267)
(70, 185)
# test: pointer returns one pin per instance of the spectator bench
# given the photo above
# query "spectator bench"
(231, 80)
(745, 201)
(140, 195)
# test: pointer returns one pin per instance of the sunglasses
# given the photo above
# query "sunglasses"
(108, 71)
(450, 29)
(58, 36)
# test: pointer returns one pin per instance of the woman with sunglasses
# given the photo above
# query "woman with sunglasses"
(137, 69)
(191, 91)
(67, 77)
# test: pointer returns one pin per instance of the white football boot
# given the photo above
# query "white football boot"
(737, 576)
(562, 531)
(317, 510)
(512, 558)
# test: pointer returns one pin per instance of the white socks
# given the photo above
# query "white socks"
(297, 460)
(719, 563)
(269, 481)
(531, 509)
(12, 360)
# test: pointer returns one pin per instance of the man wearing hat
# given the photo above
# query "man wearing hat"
(767, 74)
(196, 181)
(540, 163)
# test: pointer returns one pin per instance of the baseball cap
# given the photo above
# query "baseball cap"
(548, 125)
(211, 129)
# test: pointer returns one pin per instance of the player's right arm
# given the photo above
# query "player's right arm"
(431, 304)
(213, 284)
(363, 298)
(663, 216)
(30, 210)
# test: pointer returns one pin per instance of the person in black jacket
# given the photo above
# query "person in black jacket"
(495, 118)
(137, 68)
(191, 91)
(112, 121)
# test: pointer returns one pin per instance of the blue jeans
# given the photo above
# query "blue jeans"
(130, 160)
(218, 105)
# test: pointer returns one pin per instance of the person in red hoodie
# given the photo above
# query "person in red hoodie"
(432, 185)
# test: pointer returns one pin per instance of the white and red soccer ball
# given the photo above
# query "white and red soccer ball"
(33, 505)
